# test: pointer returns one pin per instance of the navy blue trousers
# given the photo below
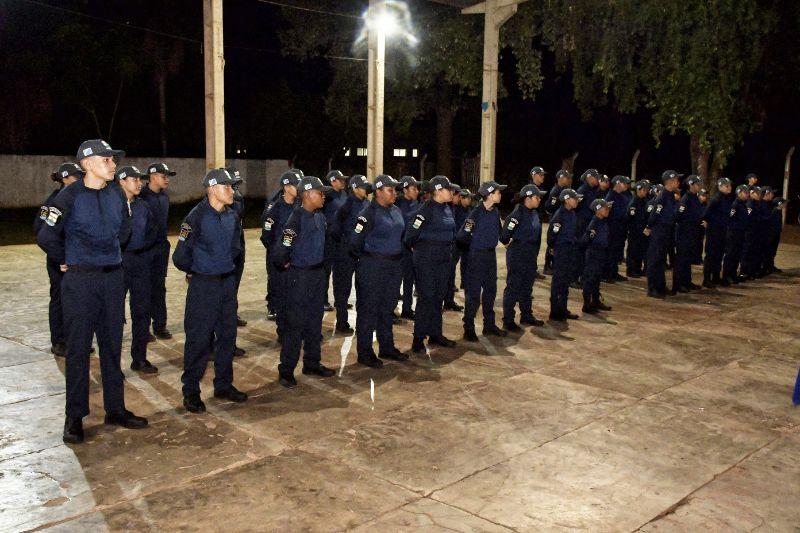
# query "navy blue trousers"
(375, 278)
(210, 314)
(594, 263)
(55, 313)
(564, 263)
(305, 294)
(481, 287)
(407, 264)
(521, 274)
(660, 241)
(733, 254)
(616, 248)
(685, 249)
(715, 249)
(158, 284)
(137, 282)
(94, 304)
(637, 250)
(343, 270)
(431, 267)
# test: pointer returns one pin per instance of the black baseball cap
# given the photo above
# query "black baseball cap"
(642, 184)
(408, 181)
(312, 183)
(537, 170)
(742, 188)
(218, 176)
(669, 175)
(359, 181)
(567, 194)
(161, 167)
(334, 175)
(692, 179)
(384, 180)
(604, 177)
(590, 172)
(620, 179)
(751, 175)
(290, 177)
(723, 181)
(442, 182)
(488, 187)
(67, 169)
(237, 176)
(563, 173)
(98, 147)
(599, 204)
(530, 190)
(128, 172)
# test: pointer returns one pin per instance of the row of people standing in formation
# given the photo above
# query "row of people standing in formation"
(104, 234)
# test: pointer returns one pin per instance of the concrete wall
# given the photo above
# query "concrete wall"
(25, 179)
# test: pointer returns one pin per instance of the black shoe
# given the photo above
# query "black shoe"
(539, 275)
(470, 335)
(656, 294)
(725, 282)
(620, 277)
(240, 322)
(73, 431)
(600, 306)
(512, 327)
(327, 307)
(150, 337)
(609, 280)
(453, 307)
(558, 317)
(418, 345)
(695, 286)
(408, 314)
(394, 355)
(572, 316)
(344, 328)
(238, 352)
(681, 288)
(494, 331)
(126, 419)
(397, 320)
(349, 306)
(162, 334)
(194, 404)
(144, 366)
(58, 349)
(589, 309)
(634, 275)
(231, 393)
(321, 371)
(441, 340)
(532, 321)
(272, 316)
(708, 284)
(371, 361)
(287, 381)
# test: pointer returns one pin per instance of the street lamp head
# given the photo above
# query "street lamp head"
(390, 18)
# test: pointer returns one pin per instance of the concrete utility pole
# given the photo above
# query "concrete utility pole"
(496, 13)
(376, 42)
(215, 83)
(786, 168)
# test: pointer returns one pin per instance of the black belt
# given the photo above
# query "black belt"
(92, 268)
(394, 257)
(310, 267)
(214, 276)
(441, 244)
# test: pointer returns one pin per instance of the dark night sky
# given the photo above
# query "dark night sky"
(539, 132)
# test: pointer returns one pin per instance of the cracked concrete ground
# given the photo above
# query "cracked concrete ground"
(668, 415)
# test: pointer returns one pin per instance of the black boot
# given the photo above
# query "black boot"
(73, 430)
(470, 335)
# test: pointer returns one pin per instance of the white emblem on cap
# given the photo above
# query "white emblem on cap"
(123, 175)
(152, 169)
(437, 186)
(167, 168)
(490, 188)
(212, 182)
(87, 151)
(136, 170)
(307, 186)
(64, 174)
(105, 144)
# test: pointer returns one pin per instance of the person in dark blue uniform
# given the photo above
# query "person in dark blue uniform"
(208, 245)
(408, 204)
(752, 180)
(136, 266)
(774, 229)
(84, 232)
(596, 241)
(377, 240)
(590, 191)
(301, 254)
(737, 229)
(155, 194)
(460, 213)
(537, 175)
(334, 251)
(267, 205)
(688, 231)
(617, 228)
(551, 205)
(562, 238)
(430, 235)
(238, 206)
(522, 235)
(660, 228)
(66, 174)
(479, 236)
(754, 236)
(716, 217)
(697, 258)
(273, 220)
(345, 267)
(637, 240)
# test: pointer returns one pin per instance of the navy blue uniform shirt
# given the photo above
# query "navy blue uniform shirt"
(159, 206)
(303, 240)
(209, 241)
(44, 211)
(143, 227)
(407, 207)
(333, 201)
(664, 209)
(619, 210)
(637, 213)
(596, 235)
(739, 216)
(273, 220)
(590, 194)
(522, 225)
(717, 213)
(86, 226)
(481, 229)
(432, 222)
(552, 203)
(690, 211)
(347, 215)
(563, 227)
(378, 230)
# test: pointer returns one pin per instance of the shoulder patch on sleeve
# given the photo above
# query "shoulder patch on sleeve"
(361, 223)
(681, 209)
(418, 220)
(733, 211)
(288, 237)
(632, 211)
(512, 223)
(556, 227)
(554, 200)
(43, 212)
(52, 216)
(659, 207)
(468, 225)
(186, 230)
(268, 224)
(749, 210)
(592, 233)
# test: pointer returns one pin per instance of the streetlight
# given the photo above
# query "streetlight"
(381, 20)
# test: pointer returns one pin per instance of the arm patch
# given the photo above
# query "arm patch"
(418, 221)
(361, 223)
(632, 211)
(659, 207)
(268, 224)
(681, 209)
(186, 230)
(556, 227)
(468, 225)
(52, 216)
(288, 237)
(512, 223)
(43, 212)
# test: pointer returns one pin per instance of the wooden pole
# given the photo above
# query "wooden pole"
(214, 61)
(376, 42)
(786, 167)
(633, 164)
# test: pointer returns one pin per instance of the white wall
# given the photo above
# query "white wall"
(25, 179)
